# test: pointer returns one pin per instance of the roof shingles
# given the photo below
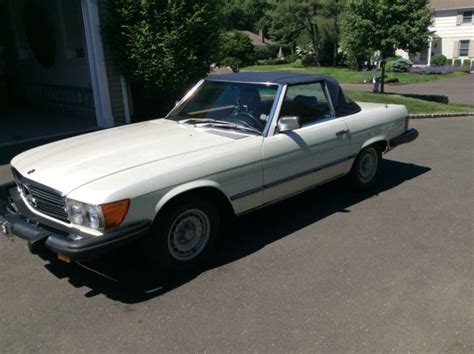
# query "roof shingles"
(451, 4)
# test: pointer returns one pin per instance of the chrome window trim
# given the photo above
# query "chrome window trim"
(329, 99)
(276, 112)
(282, 99)
(186, 97)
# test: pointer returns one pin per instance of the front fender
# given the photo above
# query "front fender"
(187, 187)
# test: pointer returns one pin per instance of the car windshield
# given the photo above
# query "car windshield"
(233, 105)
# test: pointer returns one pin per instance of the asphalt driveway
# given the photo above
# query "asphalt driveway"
(458, 89)
(328, 271)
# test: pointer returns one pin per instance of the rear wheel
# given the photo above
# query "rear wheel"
(366, 168)
(184, 234)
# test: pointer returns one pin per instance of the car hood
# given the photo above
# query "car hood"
(68, 164)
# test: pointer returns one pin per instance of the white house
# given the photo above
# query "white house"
(53, 60)
(453, 27)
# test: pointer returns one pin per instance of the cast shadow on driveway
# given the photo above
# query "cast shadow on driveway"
(127, 279)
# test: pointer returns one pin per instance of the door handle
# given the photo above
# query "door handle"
(342, 132)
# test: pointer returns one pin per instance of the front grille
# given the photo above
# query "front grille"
(42, 198)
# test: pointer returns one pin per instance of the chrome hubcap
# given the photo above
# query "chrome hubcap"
(368, 165)
(188, 234)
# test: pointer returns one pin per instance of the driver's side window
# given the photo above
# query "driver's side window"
(307, 101)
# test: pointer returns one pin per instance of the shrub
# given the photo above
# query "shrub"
(275, 61)
(298, 62)
(438, 70)
(236, 45)
(266, 52)
(149, 46)
(438, 60)
(389, 65)
(449, 62)
(308, 60)
(401, 66)
(466, 63)
(457, 62)
(234, 63)
(392, 80)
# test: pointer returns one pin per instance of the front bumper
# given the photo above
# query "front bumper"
(407, 137)
(16, 219)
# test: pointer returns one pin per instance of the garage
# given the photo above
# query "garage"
(55, 77)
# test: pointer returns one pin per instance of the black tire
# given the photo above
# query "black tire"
(361, 181)
(164, 251)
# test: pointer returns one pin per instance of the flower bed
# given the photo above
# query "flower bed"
(438, 70)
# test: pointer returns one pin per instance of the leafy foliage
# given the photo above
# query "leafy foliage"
(401, 66)
(162, 46)
(266, 52)
(237, 49)
(438, 70)
(438, 60)
(386, 25)
(244, 15)
(311, 25)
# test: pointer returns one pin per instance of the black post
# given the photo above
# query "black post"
(382, 83)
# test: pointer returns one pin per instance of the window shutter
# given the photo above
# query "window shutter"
(471, 49)
(459, 19)
(456, 49)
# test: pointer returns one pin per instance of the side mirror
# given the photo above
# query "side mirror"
(286, 124)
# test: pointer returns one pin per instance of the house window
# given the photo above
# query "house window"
(467, 17)
(73, 28)
(464, 48)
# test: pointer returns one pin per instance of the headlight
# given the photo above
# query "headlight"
(97, 217)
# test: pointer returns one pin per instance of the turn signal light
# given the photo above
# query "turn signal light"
(64, 258)
(115, 212)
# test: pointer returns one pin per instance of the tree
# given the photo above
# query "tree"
(244, 15)
(303, 15)
(235, 50)
(333, 11)
(162, 46)
(385, 25)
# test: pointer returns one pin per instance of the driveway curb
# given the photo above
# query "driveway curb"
(440, 115)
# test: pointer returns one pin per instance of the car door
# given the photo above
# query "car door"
(314, 153)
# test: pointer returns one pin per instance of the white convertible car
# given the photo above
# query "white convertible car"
(234, 143)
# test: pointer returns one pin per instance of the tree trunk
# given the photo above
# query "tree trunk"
(315, 41)
(336, 42)
(382, 80)
(334, 56)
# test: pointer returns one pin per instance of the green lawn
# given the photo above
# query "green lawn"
(414, 106)
(348, 76)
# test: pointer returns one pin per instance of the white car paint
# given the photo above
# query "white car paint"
(150, 163)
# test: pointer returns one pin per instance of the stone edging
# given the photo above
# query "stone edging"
(440, 115)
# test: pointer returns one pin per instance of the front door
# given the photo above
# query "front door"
(318, 151)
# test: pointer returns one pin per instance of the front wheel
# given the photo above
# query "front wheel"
(183, 235)
(366, 168)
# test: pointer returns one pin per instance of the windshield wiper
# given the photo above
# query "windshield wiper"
(207, 122)
(200, 120)
(230, 126)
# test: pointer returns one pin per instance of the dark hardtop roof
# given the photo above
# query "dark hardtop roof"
(269, 77)
(342, 106)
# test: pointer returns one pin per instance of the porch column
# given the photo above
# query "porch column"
(95, 54)
(430, 46)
